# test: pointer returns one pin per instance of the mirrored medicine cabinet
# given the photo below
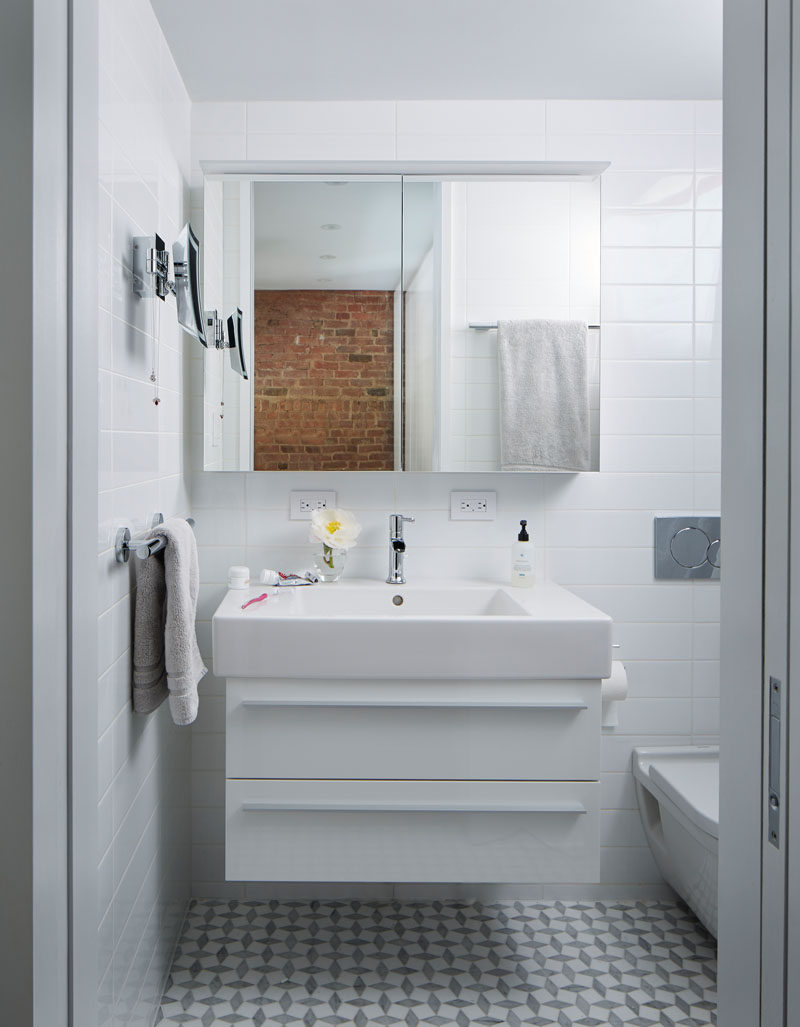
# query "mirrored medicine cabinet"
(369, 305)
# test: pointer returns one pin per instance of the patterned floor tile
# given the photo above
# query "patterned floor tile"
(552, 964)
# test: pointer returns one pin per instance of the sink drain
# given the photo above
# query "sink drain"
(397, 600)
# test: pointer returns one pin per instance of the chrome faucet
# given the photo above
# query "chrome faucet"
(397, 548)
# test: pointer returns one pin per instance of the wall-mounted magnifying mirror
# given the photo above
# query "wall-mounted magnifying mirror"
(188, 294)
(235, 340)
(369, 311)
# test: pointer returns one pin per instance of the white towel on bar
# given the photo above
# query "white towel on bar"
(166, 657)
(544, 395)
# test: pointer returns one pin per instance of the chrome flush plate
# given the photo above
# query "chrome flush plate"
(687, 547)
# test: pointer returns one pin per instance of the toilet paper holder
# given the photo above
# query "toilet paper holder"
(613, 690)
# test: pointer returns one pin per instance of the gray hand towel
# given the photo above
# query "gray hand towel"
(544, 396)
(166, 658)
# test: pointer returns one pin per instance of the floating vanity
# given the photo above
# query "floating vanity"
(427, 732)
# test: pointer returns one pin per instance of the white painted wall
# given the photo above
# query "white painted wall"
(659, 407)
(143, 762)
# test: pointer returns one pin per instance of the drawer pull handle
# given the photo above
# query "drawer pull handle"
(333, 805)
(422, 704)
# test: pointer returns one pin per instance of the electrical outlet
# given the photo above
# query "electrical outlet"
(473, 506)
(303, 504)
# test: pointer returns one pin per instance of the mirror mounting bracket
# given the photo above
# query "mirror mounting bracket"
(150, 274)
(151, 267)
(215, 330)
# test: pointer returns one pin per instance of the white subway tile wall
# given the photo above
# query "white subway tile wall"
(661, 350)
(143, 762)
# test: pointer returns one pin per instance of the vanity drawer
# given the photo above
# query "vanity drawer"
(412, 831)
(447, 730)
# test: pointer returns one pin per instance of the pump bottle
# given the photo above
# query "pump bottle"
(522, 559)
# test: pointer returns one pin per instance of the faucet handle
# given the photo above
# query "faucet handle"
(408, 520)
(396, 521)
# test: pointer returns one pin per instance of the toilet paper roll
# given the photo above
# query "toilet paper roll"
(613, 690)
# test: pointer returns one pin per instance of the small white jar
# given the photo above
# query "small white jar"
(238, 577)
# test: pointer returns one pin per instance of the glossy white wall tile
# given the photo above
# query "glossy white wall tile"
(589, 117)
(641, 266)
(333, 146)
(468, 146)
(627, 152)
(219, 119)
(471, 117)
(647, 189)
(143, 763)
(335, 117)
(661, 203)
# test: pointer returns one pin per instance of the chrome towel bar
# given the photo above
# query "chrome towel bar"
(490, 326)
(124, 545)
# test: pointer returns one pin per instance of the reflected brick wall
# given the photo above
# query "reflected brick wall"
(323, 380)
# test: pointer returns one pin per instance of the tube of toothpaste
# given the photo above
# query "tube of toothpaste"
(281, 580)
(289, 580)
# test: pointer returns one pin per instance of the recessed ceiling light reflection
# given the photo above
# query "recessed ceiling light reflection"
(327, 256)
(330, 228)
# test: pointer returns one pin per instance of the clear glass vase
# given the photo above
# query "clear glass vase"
(329, 563)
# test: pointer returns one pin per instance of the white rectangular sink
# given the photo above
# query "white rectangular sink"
(374, 600)
(366, 629)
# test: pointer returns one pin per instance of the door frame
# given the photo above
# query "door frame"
(742, 466)
(745, 342)
(34, 394)
(84, 174)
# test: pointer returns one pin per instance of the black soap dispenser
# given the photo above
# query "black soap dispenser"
(522, 559)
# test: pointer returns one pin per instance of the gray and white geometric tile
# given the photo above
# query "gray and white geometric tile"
(554, 964)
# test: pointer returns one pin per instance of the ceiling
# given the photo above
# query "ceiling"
(445, 49)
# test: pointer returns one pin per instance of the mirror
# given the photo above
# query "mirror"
(369, 310)
(186, 263)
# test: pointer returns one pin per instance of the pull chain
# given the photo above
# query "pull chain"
(155, 337)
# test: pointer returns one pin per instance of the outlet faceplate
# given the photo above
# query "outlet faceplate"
(473, 506)
(303, 504)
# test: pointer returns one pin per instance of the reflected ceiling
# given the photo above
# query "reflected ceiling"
(335, 236)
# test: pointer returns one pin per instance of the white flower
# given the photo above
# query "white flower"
(337, 529)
